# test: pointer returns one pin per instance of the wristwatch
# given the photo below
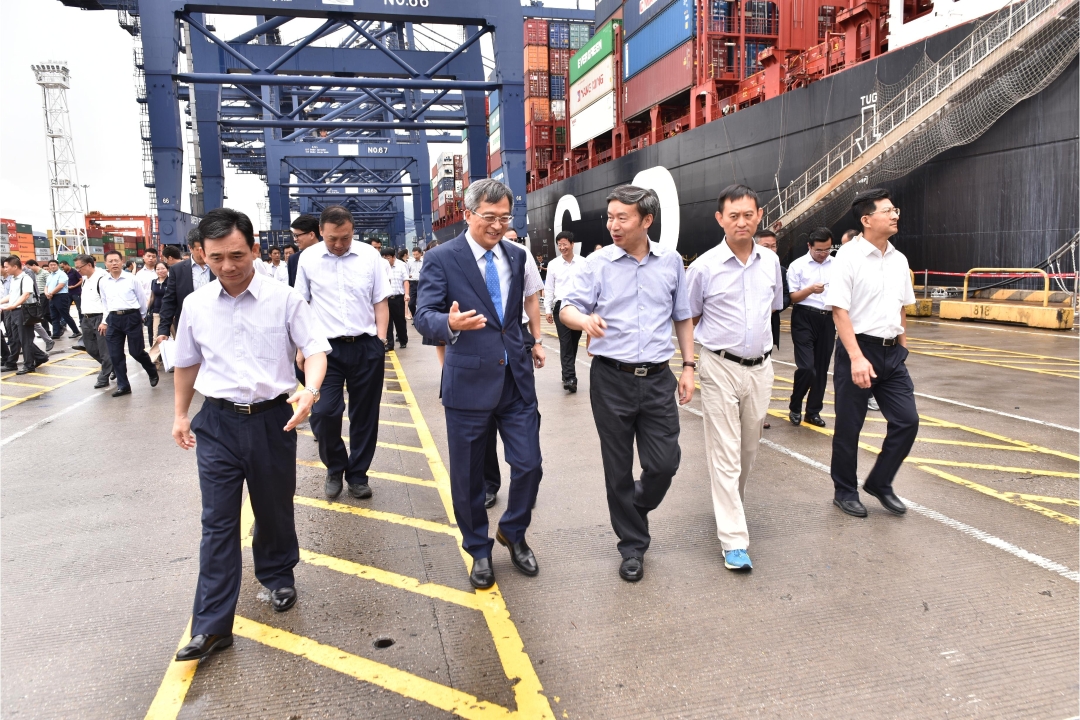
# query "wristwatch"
(314, 393)
(690, 364)
(538, 343)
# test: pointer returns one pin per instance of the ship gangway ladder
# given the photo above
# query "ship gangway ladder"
(913, 110)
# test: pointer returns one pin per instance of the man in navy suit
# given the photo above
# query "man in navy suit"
(471, 299)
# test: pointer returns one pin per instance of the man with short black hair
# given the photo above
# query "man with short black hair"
(626, 297)
(813, 334)
(59, 301)
(146, 276)
(235, 346)
(94, 344)
(868, 289)
(75, 281)
(347, 285)
(305, 233)
(23, 290)
(414, 264)
(171, 254)
(559, 272)
(124, 306)
(399, 295)
(185, 277)
(848, 236)
(275, 268)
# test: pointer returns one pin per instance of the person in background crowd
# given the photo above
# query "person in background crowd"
(75, 281)
(767, 239)
(377, 244)
(734, 289)
(59, 301)
(288, 251)
(146, 276)
(559, 272)
(185, 255)
(626, 297)
(129, 267)
(41, 278)
(305, 232)
(347, 285)
(23, 289)
(813, 335)
(11, 347)
(125, 308)
(171, 254)
(868, 289)
(96, 348)
(399, 296)
(278, 270)
(185, 277)
(246, 429)
(542, 266)
(157, 296)
(413, 265)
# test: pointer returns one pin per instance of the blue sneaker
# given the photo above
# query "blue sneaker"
(737, 560)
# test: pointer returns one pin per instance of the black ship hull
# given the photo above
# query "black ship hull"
(1007, 199)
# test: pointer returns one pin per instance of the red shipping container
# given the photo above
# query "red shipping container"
(536, 32)
(539, 135)
(668, 76)
(537, 110)
(559, 62)
(536, 84)
(536, 58)
(538, 158)
(494, 162)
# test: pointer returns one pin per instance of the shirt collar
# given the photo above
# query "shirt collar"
(350, 251)
(726, 253)
(478, 249)
(868, 247)
(254, 287)
(618, 253)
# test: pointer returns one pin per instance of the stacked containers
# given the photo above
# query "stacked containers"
(24, 236)
(494, 133)
(592, 86)
(7, 233)
(658, 58)
(93, 237)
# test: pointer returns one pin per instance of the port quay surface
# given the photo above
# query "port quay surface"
(964, 608)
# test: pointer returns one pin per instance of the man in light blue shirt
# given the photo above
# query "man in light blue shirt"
(626, 298)
(56, 288)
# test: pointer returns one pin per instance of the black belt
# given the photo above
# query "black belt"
(123, 312)
(249, 408)
(638, 369)
(873, 339)
(351, 338)
(813, 309)
(747, 362)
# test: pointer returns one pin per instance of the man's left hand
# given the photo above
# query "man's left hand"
(538, 355)
(686, 385)
(304, 400)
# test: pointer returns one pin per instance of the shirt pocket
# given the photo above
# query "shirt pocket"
(270, 343)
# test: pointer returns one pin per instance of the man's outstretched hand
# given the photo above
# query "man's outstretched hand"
(467, 320)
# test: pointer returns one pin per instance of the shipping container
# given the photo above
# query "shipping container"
(558, 62)
(536, 31)
(558, 110)
(495, 139)
(446, 183)
(580, 34)
(668, 76)
(560, 135)
(539, 135)
(605, 9)
(594, 120)
(558, 34)
(594, 84)
(23, 229)
(538, 158)
(536, 58)
(493, 120)
(557, 84)
(493, 100)
(536, 83)
(637, 13)
(667, 31)
(41, 240)
(446, 196)
(26, 240)
(10, 226)
(537, 110)
(601, 45)
(494, 163)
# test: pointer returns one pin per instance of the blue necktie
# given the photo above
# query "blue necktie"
(491, 276)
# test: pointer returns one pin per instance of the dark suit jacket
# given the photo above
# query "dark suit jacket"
(294, 261)
(179, 287)
(475, 366)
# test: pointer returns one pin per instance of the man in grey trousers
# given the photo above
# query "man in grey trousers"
(93, 313)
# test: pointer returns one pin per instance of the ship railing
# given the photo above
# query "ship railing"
(984, 40)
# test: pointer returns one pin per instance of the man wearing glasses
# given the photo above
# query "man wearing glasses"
(472, 299)
(813, 334)
(305, 232)
(868, 289)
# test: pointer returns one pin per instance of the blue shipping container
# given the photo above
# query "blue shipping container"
(558, 87)
(559, 35)
(493, 100)
(637, 13)
(605, 9)
(667, 31)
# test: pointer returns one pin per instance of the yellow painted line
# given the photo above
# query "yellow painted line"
(1044, 499)
(395, 392)
(396, 424)
(381, 515)
(1071, 376)
(998, 351)
(1007, 497)
(1002, 438)
(31, 385)
(997, 468)
(9, 397)
(393, 405)
(395, 446)
(407, 479)
(376, 673)
(392, 579)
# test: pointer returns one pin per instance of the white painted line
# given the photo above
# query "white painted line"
(46, 421)
(975, 407)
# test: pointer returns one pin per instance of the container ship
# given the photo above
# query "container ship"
(967, 110)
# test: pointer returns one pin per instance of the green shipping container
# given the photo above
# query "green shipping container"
(590, 55)
(24, 228)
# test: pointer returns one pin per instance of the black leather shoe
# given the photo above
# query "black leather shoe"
(76, 335)
(333, 484)
(112, 376)
(888, 501)
(25, 371)
(482, 576)
(632, 569)
(9, 368)
(102, 384)
(815, 420)
(283, 598)
(154, 380)
(489, 500)
(795, 418)
(521, 555)
(361, 491)
(119, 392)
(78, 346)
(572, 386)
(202, 645)
(851, 507)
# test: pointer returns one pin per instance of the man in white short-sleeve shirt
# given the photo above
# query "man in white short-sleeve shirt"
(868, 289)
(813, 334)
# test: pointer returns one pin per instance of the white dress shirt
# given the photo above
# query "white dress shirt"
(92, 292)
(122, 293)
(735, 301)
(200, 275)
(343, 291)
(558, 279)
(246, 346)
(279, 272)
(414, 268)
(803, 272)
(146, 278)
(533, 284)
(398, 275)
(502, 265)
(873, 287)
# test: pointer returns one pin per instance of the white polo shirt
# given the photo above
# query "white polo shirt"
(803, 272)
(872, 286)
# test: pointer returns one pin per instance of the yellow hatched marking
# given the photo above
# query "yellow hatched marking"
(406, 448)
(394, 405)
(396, 424)
(382, 515)
(997, 468)
(42, 389)
(31, 385)
(1010, 359)
(395, 392)
(407, 479)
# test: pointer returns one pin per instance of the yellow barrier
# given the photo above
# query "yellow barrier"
(922, 307)
(1051, 318)
(1046, 278)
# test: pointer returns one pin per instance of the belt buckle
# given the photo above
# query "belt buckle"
(242, 408)
(641, 372)
(889, 342)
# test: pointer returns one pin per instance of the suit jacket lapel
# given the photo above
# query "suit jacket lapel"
(516, 288)
(467, 263)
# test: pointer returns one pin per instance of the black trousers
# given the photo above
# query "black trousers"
(628, 408)
(60, 307)
(414, 292)
(232, 448)
(396, 305)
(568, 345)
(127, 326)
(359, 367)
(895, 393)
(32, 354)
(813, 336)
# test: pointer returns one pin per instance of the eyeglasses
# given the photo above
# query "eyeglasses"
(297, 236)
(892, 211)
(492, 219)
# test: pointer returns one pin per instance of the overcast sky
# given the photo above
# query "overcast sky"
(104, 114)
